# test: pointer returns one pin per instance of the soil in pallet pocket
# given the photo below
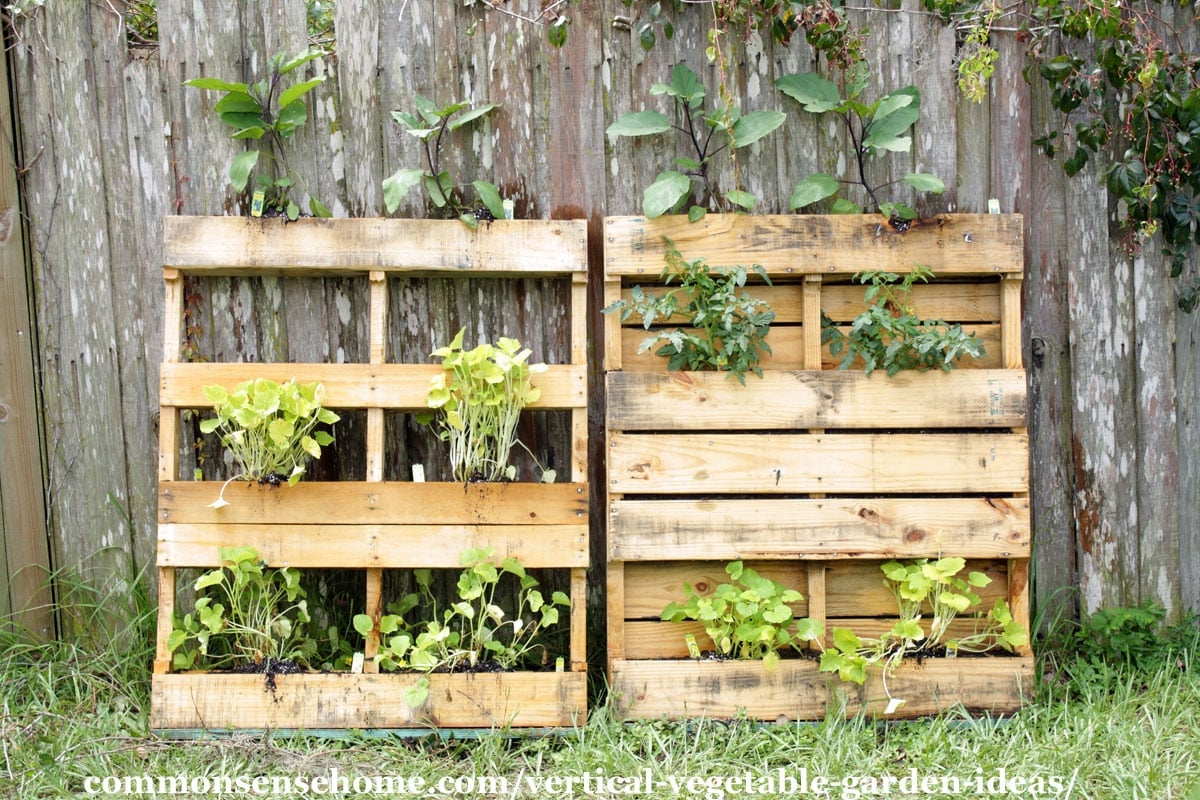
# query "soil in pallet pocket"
(268, 668)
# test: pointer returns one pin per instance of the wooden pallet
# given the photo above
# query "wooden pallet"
(371, 525)
(813, 474)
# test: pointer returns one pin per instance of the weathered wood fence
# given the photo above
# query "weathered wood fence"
(110, 142)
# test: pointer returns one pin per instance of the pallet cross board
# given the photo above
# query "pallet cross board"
(811, 474)
(374, 524)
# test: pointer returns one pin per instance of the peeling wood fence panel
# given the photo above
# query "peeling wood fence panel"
(113, 141)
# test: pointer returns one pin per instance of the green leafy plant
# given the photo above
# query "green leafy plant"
(918, 586)
(707, 134)
(269, 427)
(1113, 645)
(478, 401)
(888, 334)
(430, 124)
(748, 618)
(874, 129)
(1130, 87)
(473, 630)
(246, 614)
(730, 329)
(267, 112)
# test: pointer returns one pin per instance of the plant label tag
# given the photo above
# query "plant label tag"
(892, 705)
(693, 648)
(993, 206)
(418, 473)
(951, 649)
(356, 667)
(558, 664)
(256, 203)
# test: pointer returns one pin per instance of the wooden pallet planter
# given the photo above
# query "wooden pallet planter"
(811, 474)
(374, 524)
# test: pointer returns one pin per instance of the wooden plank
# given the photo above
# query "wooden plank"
(651, 639)
(787, 343)
(373, 608)
(754, 463)
(797, 690)
(811, 321)
(795, 245)
(971, 527)
(952, 302)
(340, 700)
(966, 398)
(578, 617)
(394, 386)
(1018, 598)
(366, 503)
(165, 621)
(1011, 351)
(614, 584)
(377, 546)
(24, 544)
(307, 247)
(853, 589)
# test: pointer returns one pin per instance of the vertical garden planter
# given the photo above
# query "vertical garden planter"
(374, 524)
(811, 474)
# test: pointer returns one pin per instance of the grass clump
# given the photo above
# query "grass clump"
(79, 708)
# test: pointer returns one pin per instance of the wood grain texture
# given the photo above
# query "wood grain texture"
(340, 700)
(645, 401)
(733, 463)
(797, 690)
(651, 530)
(350, 386)
(233, 245)
(368, 503)
(798, 245)
(24, 545)
(379, 546)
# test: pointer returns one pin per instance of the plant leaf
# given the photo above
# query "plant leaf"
(490, 196)
(924, 182)
(292, 93)
(240, 168)
(755, 125)
(640, 123)
(471, 116)
(218, 85)
(665, 193)
(813, 189)
(398, 185)
(815, 93)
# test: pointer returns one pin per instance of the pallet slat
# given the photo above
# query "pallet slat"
(369, 503)
(319, 247)
(374, 546)
(971, 527)
(389, 386)
(791, 246)
(664, 401)
(797, 690)
(341, 700)
(751, 463)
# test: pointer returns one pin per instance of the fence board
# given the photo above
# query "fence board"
(547, 149)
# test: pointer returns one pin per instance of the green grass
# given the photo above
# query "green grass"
(79, 709)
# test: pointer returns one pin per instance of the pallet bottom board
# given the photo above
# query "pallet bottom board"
(217, 701)
(797, 690)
